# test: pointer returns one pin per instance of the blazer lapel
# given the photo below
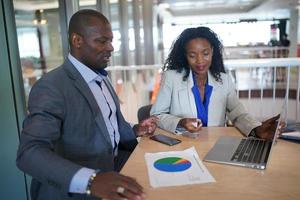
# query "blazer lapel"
(84, 89)
(213, 82)
(112, 92)
(115, 98)
(192, 104)
(217, 91)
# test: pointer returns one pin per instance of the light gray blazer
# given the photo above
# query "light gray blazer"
(175, 101)
(65, 131)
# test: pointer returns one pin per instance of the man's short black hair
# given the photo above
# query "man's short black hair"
(81, 19)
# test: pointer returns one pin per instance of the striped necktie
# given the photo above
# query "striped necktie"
(109, 116)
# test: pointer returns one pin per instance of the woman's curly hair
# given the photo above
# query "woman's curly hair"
(177, 58)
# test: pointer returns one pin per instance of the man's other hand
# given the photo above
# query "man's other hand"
(191, 124)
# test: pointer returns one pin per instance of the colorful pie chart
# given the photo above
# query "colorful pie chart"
(172, 164)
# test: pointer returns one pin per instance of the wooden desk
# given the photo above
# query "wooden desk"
(281, 179)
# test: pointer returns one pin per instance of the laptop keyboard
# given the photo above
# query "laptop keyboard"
(251, 150)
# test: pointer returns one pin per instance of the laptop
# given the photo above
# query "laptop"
(245, 152)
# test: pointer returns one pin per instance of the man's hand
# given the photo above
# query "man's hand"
(146, 127)
(191, 124)
(267, 129)
(115, 186)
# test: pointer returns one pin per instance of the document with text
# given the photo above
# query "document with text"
(173, 168)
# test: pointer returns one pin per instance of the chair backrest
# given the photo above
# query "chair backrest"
(144, 112)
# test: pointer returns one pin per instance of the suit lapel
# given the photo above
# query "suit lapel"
(116, 100)
(213, 82)
(192, 104)
(212, 112)
(85, 91)
(112, 92)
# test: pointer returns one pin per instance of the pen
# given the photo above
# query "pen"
(198, 163)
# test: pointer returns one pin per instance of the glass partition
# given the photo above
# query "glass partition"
(39, 39)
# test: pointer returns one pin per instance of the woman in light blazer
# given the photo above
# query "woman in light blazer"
(196, 90)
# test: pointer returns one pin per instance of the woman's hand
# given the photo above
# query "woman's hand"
(191, 124)
(268, 128)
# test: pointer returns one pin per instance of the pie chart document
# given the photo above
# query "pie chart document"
(173, 168)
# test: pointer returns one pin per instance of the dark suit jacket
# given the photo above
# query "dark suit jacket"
(65, 131)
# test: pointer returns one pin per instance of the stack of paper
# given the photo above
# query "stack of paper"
(292, 132)
(291, 135)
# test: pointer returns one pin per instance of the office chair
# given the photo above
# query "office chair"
(144, 112)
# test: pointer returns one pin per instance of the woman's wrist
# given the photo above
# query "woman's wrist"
(253, 133)
(181, 123)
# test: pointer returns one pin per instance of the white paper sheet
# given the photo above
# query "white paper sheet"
(174, 168)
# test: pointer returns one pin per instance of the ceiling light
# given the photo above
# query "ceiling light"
(39, 17)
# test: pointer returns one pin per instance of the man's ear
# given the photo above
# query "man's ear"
(76, 40)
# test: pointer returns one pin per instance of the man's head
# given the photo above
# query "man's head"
(90, 38)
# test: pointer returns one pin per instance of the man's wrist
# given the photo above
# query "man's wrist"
(90, 181)
(135, 130)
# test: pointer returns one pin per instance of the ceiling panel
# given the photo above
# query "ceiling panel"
(173, 11)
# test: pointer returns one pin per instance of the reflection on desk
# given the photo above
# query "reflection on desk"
(280, 180)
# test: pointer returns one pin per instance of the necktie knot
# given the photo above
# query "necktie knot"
(103, 72)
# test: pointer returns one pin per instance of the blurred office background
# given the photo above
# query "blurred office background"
(261, 39)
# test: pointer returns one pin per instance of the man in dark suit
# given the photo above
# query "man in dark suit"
(75, 138)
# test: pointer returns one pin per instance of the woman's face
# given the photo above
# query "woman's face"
(199, 55)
